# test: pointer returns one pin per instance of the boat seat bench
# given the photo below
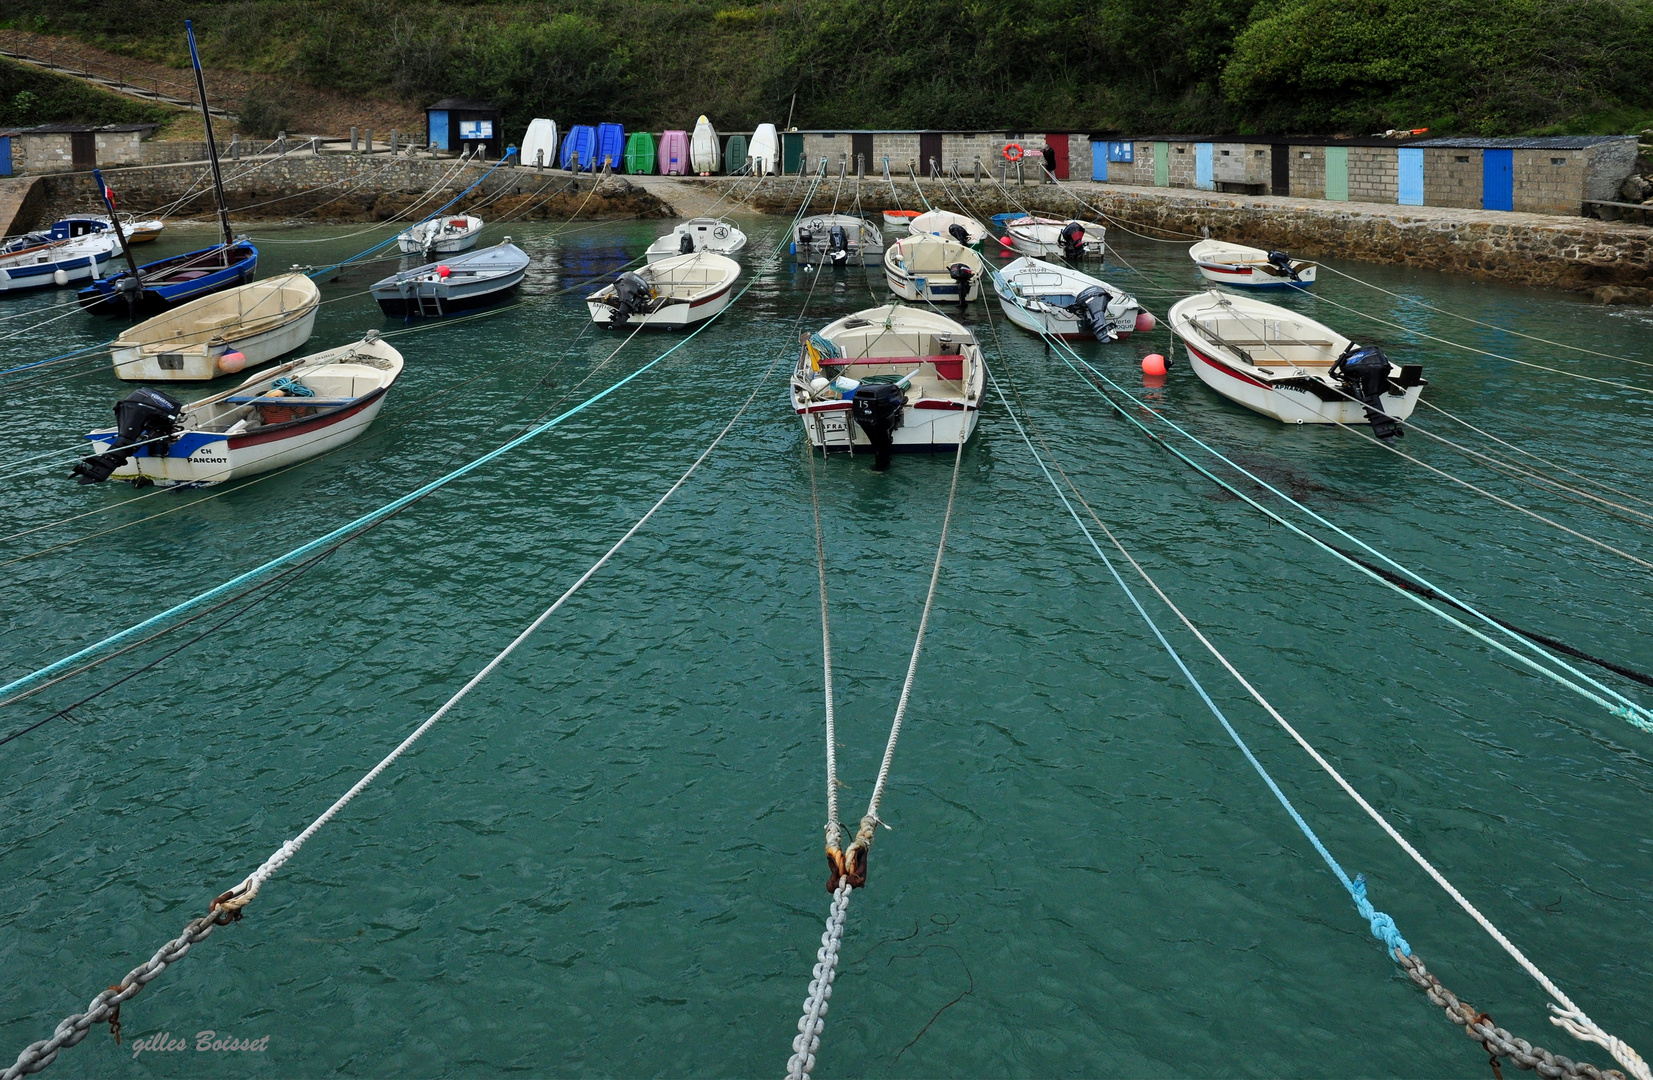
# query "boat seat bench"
(308, 402)
(948, 367)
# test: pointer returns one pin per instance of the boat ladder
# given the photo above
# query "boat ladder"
(430, 305)
(834, 431)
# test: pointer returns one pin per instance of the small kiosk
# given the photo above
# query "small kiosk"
(454, 124)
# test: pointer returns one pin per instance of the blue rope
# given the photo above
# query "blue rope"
(1382, 926)
(61, 356)
(288, 384)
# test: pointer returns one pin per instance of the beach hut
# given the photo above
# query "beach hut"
(453, 124)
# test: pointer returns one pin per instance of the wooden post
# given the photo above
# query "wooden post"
(860, 166)
(368, 142)
(393, 142)
(235, 146)
(354, 145)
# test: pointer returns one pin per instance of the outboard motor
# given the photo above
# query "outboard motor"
(838, 245)
(631, 297)
(145, 414)
(1091, 305)
(806, 239)
(962, 276)
(877, 411)
(960, 233)
(1072, 239)
(1364, 371)
(685, 244)
(1282, 262)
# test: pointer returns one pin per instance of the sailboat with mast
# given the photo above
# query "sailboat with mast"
(177, 279)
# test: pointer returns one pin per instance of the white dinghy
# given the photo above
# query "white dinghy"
(838, 240)
(705, 149)
(221, 333)
(539, 145)
(930, 268)
(942, 223)
(1062, 302)
(889, 378)
(285, 415)
(1051, 237)
(715, 235)
(679, 291)
(764, 151)
(1285, 365)
(441, 236)
(36, 261)
(1249, 267)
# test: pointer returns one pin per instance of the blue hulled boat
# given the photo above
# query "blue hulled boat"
(174, 280)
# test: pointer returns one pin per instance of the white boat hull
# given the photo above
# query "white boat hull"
(42, 272)
(1251, 276)
(437, 238)
(674, 314)
(1290, 405)
(199, 363)
(937, 288)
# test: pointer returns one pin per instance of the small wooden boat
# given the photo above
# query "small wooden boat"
(1054, 237)
(673, 154)
(611, 148)
(930, 268)
(441, 236)
(889, 378)
(539, 145)
(474, 279)
(640, 153)
(1249, 267)
(288, 414)
(943, 222)
(139, 232)
(679, 291)
(734, 155)
(1060, 301)
(220, 334)
(579, 149)
(174, 280)
(837, 239)
(705, 151)
(1285, 365)
(900, 220)
(698, 234)
(764, 150)
(35, 261)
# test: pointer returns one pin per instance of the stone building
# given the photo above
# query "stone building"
(70, 147)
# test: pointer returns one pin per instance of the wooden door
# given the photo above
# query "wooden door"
(1280, 169)
(83, 148)
(929, 150)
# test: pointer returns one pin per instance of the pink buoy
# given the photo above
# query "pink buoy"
(1145, 321)
(1153, 364)
(444, 270)
(232, 362)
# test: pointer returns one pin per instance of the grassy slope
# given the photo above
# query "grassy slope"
(30, 96)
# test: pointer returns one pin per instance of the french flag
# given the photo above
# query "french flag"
(109, 195)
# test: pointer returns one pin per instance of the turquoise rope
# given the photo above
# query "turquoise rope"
(1382, 926)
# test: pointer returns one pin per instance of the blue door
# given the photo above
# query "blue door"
(439, 129)
(1203, 178)
(1099, 161)
(1411, 177)
(1498, 180)
(5, 155)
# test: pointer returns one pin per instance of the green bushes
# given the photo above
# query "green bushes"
(29, 96)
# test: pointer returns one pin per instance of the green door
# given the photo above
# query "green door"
(792, 151)
(1162, 164)
(1337, 173)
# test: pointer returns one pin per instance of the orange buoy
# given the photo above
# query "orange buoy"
(1145, 321)
(1014, 153)
(444, 270)
(231, 362)
(1153, 364)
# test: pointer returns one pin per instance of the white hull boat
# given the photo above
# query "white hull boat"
(942, 223)
(1249, 267)
(859, 242)
(886, 379)
(56, 262)
(539, 145)
(1051, 238)
(764, 151)
(675, 292)
(933, 269)
(471, 280)
(288, 414)
(715, 235)
(705, 149)
(221, 333)
(1062, 302)
(899, 220)
(441, 236)
(1285, 365)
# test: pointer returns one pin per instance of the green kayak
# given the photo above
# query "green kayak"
(734, 155)
(640, 152)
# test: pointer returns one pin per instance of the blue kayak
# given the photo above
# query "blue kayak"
(173, 280)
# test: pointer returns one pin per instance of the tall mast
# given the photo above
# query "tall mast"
(212, 145)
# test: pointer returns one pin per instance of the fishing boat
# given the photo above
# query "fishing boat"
(1249, 267)
(943, 222)
(930, 268)
(1052, 237)
(735, 157)
(611, 147)
(1060, 301)
(673, 154)
(579, 149)
(900, 220)
(675, 292)
(474, 279)
(288, 414)
(838, 239)
(539, 144)
(441, 236)
(698, 234)
(220, 334)
(889, 378)
(764, 151)
(35, 261)
(640, 153)
(705, 151)
(1285, 365)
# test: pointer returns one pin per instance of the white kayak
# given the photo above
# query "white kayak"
(221, 333)
(764, 151)
(539, 145)
(1248, 267)
(1062, 302)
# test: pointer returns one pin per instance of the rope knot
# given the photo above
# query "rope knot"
(1383, 927)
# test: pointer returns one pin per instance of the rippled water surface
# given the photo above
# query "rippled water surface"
(607, 861)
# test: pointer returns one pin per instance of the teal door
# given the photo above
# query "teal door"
(1410, 164)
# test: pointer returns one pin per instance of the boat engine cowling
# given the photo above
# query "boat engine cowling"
(685, 244)
(1072, 239)
(837, 245)
(1282, 262)
(143, 415)
(631, 297)
(1092, 306)
(962, 276)
(877, 411)
(960, 233)
(1364, 371)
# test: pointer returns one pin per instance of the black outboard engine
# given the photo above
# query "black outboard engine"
(960, 233)
(1072, 239)
(962, 276)
(685, 244)
(1282, 262)
(806, 239)
(631, 297)
(1091, 305)
(1365, 373)
(838, 245)
(145, 414)
(877, 411)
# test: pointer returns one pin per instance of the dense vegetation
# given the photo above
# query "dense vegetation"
(1276, 66)
(29, 96)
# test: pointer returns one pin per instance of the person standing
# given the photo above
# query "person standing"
(1048, 152)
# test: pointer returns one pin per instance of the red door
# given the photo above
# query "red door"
(1059, 143)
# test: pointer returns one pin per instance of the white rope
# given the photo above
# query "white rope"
(834, 831)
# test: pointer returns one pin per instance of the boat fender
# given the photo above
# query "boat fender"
(838, 245)
(685, 244)
(1072, 238)
(963, 275)
(444, 270)
(232, 361)
(1364, 372)
(877, 411)
(142, 415)
(631, 297)
(1145, 322)
(960, 233)
(1014, 153)
(1091, 305)
(1280, 263)
(61, 277)
(1154, 365)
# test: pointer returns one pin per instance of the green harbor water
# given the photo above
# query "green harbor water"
(607, 861)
